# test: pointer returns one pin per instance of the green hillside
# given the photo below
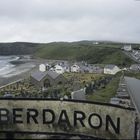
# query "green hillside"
(18, 48)
(104, 53)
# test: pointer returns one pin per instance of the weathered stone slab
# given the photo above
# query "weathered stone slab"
(68, 117)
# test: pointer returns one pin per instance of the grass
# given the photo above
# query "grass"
(76, 80)
(104, 95)
(86, 77)
(84, 51)
(16, 89)
(132, 74)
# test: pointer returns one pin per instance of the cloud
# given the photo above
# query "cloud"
(69, 20)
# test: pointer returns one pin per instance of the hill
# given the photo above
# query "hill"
(105, 53)
(90, 51)
(18, 48)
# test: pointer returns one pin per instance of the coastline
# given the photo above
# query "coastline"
(20, 72)
(22, 75)
(5, 81)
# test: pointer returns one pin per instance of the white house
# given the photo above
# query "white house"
(59, 69)
(111, 69)
(135, 67)
(75, 68)
(65, 66)
(96, 43)
(44, 67)
(127, 47)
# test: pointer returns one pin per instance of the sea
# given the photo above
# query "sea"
(7, 69)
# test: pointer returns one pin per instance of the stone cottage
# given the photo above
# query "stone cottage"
(47, 79)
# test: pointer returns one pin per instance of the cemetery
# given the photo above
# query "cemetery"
(71, 82)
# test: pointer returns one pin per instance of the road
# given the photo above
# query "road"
(133, 87)
(130, 55)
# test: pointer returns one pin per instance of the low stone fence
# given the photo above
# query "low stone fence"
(10, 85)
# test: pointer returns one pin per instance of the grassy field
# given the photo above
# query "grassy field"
(101, 94)
(97, 54)
(104, 95)
(19, 88)
(75, 80)
(86, 77)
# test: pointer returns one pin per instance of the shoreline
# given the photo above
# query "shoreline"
(22, 75)
(7, 80)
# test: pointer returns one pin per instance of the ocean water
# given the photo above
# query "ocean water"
(8, 70)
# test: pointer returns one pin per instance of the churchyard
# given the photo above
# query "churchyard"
(74, 81)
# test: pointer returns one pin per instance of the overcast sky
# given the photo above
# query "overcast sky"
(69, 20)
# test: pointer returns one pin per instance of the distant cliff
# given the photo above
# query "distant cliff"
(18, 48)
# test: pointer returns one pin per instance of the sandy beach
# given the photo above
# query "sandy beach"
(20, 75)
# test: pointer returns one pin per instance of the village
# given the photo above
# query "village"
(133, 54)
(70, 69)
(77, 81)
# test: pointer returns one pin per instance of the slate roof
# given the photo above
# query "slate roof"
(40, 75)
(111, 66)
(53, 74)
